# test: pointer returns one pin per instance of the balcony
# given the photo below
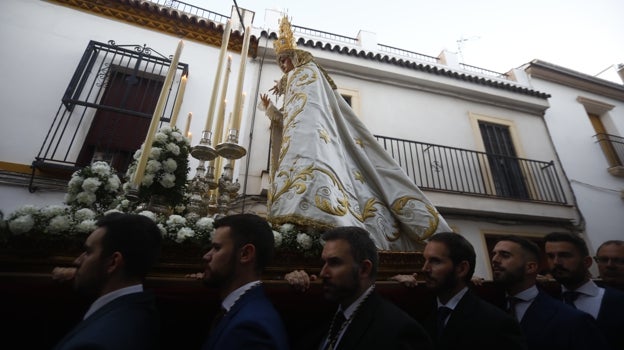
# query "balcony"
(455, 170)
(613, 149)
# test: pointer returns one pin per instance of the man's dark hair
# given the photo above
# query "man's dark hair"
(251, 229)
(577, 241)
(459, 250)
(616, 242)
(136, 237)
(529, 247)
(362, 246)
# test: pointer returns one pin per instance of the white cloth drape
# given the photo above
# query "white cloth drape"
(331, 171)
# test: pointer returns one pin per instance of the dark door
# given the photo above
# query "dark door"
(506, 171)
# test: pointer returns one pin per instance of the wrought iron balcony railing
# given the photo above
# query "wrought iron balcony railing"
(613, 148)
(441, 168)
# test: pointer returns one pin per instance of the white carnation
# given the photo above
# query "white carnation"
(278, 238)
(22, 224)
(183, 234)
(304, 241)
(91, 184)
(167, 180)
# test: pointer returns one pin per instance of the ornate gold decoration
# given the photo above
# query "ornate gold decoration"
(359, 142)
(358, 176)
(324, 135)
(398, 206)
(285, 40)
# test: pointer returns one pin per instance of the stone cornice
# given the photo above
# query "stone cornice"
(155, 17)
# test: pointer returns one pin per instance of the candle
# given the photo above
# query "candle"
(219, 128)
(188, 123)
(158, 111)
(213, 99)
(221, 116)
(241, 75)
(189, 136)
(235, 123)
(178, 102)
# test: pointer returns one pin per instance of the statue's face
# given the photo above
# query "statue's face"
(285, 63)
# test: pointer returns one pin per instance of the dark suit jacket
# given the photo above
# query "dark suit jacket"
(550, 324)
(611, 317)
(251, 323)
(129, 322)
(477, 324)
(377, 324)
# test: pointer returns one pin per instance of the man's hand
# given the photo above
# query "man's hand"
(299, 279)
(196, 275)
(63, 273)
(406, 280)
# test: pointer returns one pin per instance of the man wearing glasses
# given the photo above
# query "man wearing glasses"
(610, 260)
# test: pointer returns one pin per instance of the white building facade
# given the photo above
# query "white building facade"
(475, 141)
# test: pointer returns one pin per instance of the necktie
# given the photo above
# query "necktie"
(511, 306)
(443, 312)
(218, 316)
(569, 297)
(334, 329)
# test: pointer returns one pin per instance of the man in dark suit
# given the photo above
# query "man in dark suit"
(118, 255)
(242, 246)
(462, 318)
(610, 260)
(569, 262)
(547, 323)
(364, 320)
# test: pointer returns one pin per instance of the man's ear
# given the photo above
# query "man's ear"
(366, 266)
(531, 267)
(115, 262)
(462, 269)
(247, 253)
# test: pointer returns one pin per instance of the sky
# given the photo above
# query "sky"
(583, 35)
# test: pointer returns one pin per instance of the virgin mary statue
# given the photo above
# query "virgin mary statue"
(327, 169)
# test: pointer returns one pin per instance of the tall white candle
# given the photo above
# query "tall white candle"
(241, 77)
(237, 117)
(188, 123)
(178, 102)
(221, 116)
(158, 111)
(213, 99)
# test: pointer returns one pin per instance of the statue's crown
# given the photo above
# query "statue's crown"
(285, 40)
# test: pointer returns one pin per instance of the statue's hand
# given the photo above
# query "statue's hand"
(265, 100)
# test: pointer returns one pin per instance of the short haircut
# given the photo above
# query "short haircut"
(577, 241)
(529, 247)
(136, 237)
(362, 246)
(459, 249)
(616, 242)
(251, 229)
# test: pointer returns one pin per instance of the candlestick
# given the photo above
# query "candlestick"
(213, 99)
(241, 75)
(158, 111)
(188, 123)
(178, 102)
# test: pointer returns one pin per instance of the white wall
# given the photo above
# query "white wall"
(597, 191)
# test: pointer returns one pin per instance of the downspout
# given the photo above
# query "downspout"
(253, 121)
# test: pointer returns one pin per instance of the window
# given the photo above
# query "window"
(612, 146)
(107, 107)
(352, 97)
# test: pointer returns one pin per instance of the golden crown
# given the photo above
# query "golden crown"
(285, 40)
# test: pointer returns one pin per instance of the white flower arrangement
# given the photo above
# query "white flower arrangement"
(167, 167)
(95, 186)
